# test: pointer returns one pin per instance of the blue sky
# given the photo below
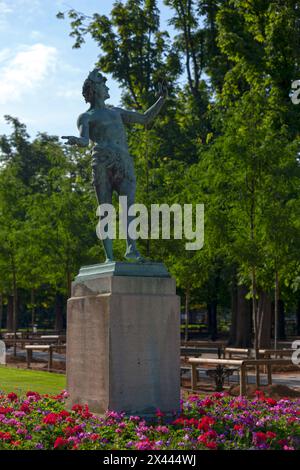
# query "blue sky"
(40, 74)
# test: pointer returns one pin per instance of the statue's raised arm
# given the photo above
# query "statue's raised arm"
(133, 117)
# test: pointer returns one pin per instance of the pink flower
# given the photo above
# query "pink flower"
(34, 395)
(134, 418)
(144, 445)
(163, 429)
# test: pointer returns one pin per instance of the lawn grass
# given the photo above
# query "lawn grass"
(22, 380)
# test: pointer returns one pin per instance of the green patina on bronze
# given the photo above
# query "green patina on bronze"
(113, 169)
(116, 268)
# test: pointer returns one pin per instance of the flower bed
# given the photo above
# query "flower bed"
(215, 422)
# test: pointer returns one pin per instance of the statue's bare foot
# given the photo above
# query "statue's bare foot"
(134, 256)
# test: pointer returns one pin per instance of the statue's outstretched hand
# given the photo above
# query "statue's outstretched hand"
(71, 140)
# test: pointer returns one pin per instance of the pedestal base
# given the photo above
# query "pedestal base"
(123, 340)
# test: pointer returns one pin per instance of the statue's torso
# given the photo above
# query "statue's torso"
(106, 129)
(110, 149)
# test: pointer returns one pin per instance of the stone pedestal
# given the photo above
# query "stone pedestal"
(123, 339)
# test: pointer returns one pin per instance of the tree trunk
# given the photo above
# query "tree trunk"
(276, 315)
(69, 283)
(15, 317)
(298, 319)
(32, 301)
(255, 314)
(281, 320)
(59, 317)
(1, 311)
(243, 334)
(9, 314)
(212, 319)
(265, 321)
(233, 326)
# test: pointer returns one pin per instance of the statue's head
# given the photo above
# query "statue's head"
(95, 85)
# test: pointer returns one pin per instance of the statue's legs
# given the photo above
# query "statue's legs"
(103, 190)
(127, 188)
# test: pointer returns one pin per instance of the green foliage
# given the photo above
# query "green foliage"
(228, 137)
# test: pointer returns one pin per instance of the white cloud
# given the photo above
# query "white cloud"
(4, 54)
(25, 71)
(5, 8)
(36, 35)
(16, 7)
(69, 92)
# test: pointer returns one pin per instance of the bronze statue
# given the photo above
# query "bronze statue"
(113, 168)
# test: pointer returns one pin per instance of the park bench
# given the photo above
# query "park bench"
(18, 334)
(229, 352)
(54, 338)
(240, 364)
(213, 347)
(42, 347)
(263, 353)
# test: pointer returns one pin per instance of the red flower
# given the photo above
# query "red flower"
(237, 404)
(33, 394)
(209, 435)
(72, 431)
(77, 408)
(60, 442)
(207, 402)
(5, 411)
(16, 443)
(86, 412)
(260, 395)
(159, 413)
(271, 435)
(5, 436)
(205, 423)
(283, 442)
(271, 401)
(259, 437)
(211, 445)
(208, 439)
(24, 407)
(51, 418)
(217, 395)
(186, 422)
(64, 414)
(70, 420)
(12, 396)
(238, 427)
